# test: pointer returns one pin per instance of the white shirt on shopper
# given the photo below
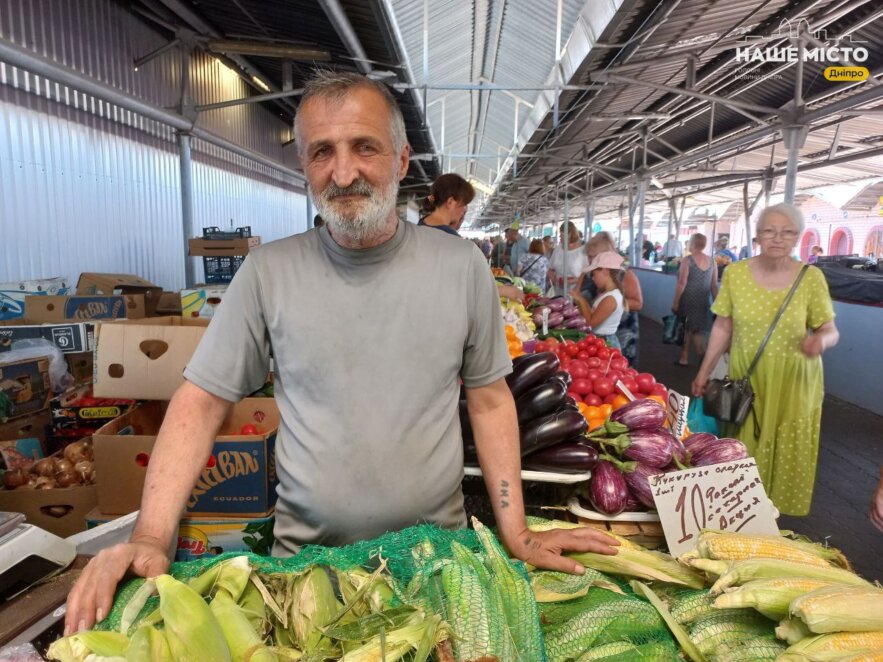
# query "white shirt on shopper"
(672, 248)
(608, 327)
(576, 262)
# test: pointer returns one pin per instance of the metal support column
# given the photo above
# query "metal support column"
(186, 177)
(642, 189)
(631, 228)
(794, 137)
(566, 223)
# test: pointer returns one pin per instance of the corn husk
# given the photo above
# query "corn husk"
(841, 609)
(834, 646)
(313, 606)
(771, 597)
(148, 644)
(244, 642)
(190, 627)
(740, 572)
(77, 647)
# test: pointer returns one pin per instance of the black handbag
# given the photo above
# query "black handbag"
(673, 330)
(731, 400)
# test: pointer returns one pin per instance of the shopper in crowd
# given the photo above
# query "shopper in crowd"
(605, 311)
(746, 253)
(534, 265)
(672, 248)
(486, 248)
(446, 204)
(576, 259)
(367, 443)
(815, 253)
(697, 286)
(782, 431)
(548, 245)
(877, 504)
(507, 253)
(629, 326)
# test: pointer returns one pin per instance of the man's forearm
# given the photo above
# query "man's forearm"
(495, 428)
(182, 448)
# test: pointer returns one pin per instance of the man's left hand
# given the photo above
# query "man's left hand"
(545, 549)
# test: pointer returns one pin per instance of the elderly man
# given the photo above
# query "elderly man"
(368, 443)
(507, 253)
(672, 248)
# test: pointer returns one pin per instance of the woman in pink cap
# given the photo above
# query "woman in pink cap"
(605, 312)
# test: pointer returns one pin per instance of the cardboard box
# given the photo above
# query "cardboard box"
(239, 479)
(199, 537)
(222, 247)
(68, 337)
(144, 360)
(92, 283)
(78, 409)
(27, 427)
(81, 367)
(12, 295)
(25, 387)
(202, 301)
(82, 307)
(169, 304)
(20, 453)
(61, 511)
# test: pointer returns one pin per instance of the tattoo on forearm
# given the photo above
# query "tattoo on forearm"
(504, 494)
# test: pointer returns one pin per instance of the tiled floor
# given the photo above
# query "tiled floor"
(849, 463)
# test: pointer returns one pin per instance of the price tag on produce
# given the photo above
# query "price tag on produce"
(723, 497)
(676, 413)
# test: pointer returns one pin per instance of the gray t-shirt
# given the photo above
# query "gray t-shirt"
(369, 346)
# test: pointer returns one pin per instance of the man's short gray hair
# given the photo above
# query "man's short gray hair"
(333, 86)
(785, 209)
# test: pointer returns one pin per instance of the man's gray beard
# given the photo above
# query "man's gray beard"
(367, 225)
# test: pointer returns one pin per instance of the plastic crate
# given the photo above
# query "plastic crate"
(218, 234)
(221, 269)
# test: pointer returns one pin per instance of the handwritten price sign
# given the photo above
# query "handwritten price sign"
(724, 497)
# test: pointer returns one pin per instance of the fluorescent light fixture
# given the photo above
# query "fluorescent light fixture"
(481, 186)
(261, 84)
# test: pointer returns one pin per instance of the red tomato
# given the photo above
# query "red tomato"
(630, 384)
(578, 369)
(619, 363)
(604, 353)
(591, 337)
(564, 362)
(540, 347)
(603, 386)
(631, 373)
(660, 390)
(593, 374)
(592, 350)
(142, 459)
(594, 361)
(583, 355)
(645, 381)
(611, 399)
(211, 462)
(248, 428)
(582, 344)
(593, 400)
(576, 396)
(552, 341)
(581, 386)
(572, 350)
(614, 375)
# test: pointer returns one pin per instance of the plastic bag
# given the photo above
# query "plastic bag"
(673, 330)
(32, 348)
(698, 421)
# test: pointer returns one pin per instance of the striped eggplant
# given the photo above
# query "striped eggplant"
(571, 456)
(570, 311)
(552, 429)
(528, 370)
(720, 451)
(698, 440)
(652, 447)
(608, 490)
(638, 481)
(557, 304)
(540, 400)
(555, 320)
(644, 414)
(575, 322)
(679, 455)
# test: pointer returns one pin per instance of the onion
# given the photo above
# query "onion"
(63, 466)
(14, 479)
(85, 470)
(67, 478)
(44, 483)
(78, 451)
(29, 485)
(44, 467)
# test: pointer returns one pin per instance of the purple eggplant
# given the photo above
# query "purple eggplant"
(608, 490)
(550, 430)
(556, 304)
(540, 400)
(697, 441)
(567, 457)
(679, 454)
(570, 311)
(720, 451)
(565, 376)
(652, 447)
(555, 320)
(638, 481)
(569, 404)
(537, 318)
(574, 322)
(632, 505)
(644, 414)
(528, 370)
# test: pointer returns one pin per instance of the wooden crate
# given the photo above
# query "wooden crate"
(648, 534)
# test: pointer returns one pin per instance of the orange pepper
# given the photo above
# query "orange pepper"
(594, 411)
(595, 423)
(658, 399)
(620, 401)
(606, 409)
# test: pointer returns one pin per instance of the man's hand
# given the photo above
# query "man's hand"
(91, 598)
(877, 505)
(511, 292)
(545, 549)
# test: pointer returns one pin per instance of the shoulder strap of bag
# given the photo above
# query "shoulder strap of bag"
(537, 259)
(782, 308)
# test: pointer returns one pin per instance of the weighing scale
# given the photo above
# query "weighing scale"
(28, 555)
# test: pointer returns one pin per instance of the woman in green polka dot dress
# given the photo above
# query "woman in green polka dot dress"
(782, 433)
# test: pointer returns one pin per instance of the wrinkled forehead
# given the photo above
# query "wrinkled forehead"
(776, 219)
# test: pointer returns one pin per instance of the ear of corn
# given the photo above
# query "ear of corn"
(841, 609)
(136, 604)
(641, 564)
(690, 604)
(549, 586)
(520, 607)
(469, 613)
(680, 634)
(771, 597)
(245, 644)
(77, 647)
(367, 626)
(838, 643)
(708, 566)
(726, 626)
(313, 606)
(192, 631)
(148, 645)
(394, 645)
(741, 572)
(366, 591)
(792, 630)
(625, 651)
(253, 606)
(751, 649)
(738, 546)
